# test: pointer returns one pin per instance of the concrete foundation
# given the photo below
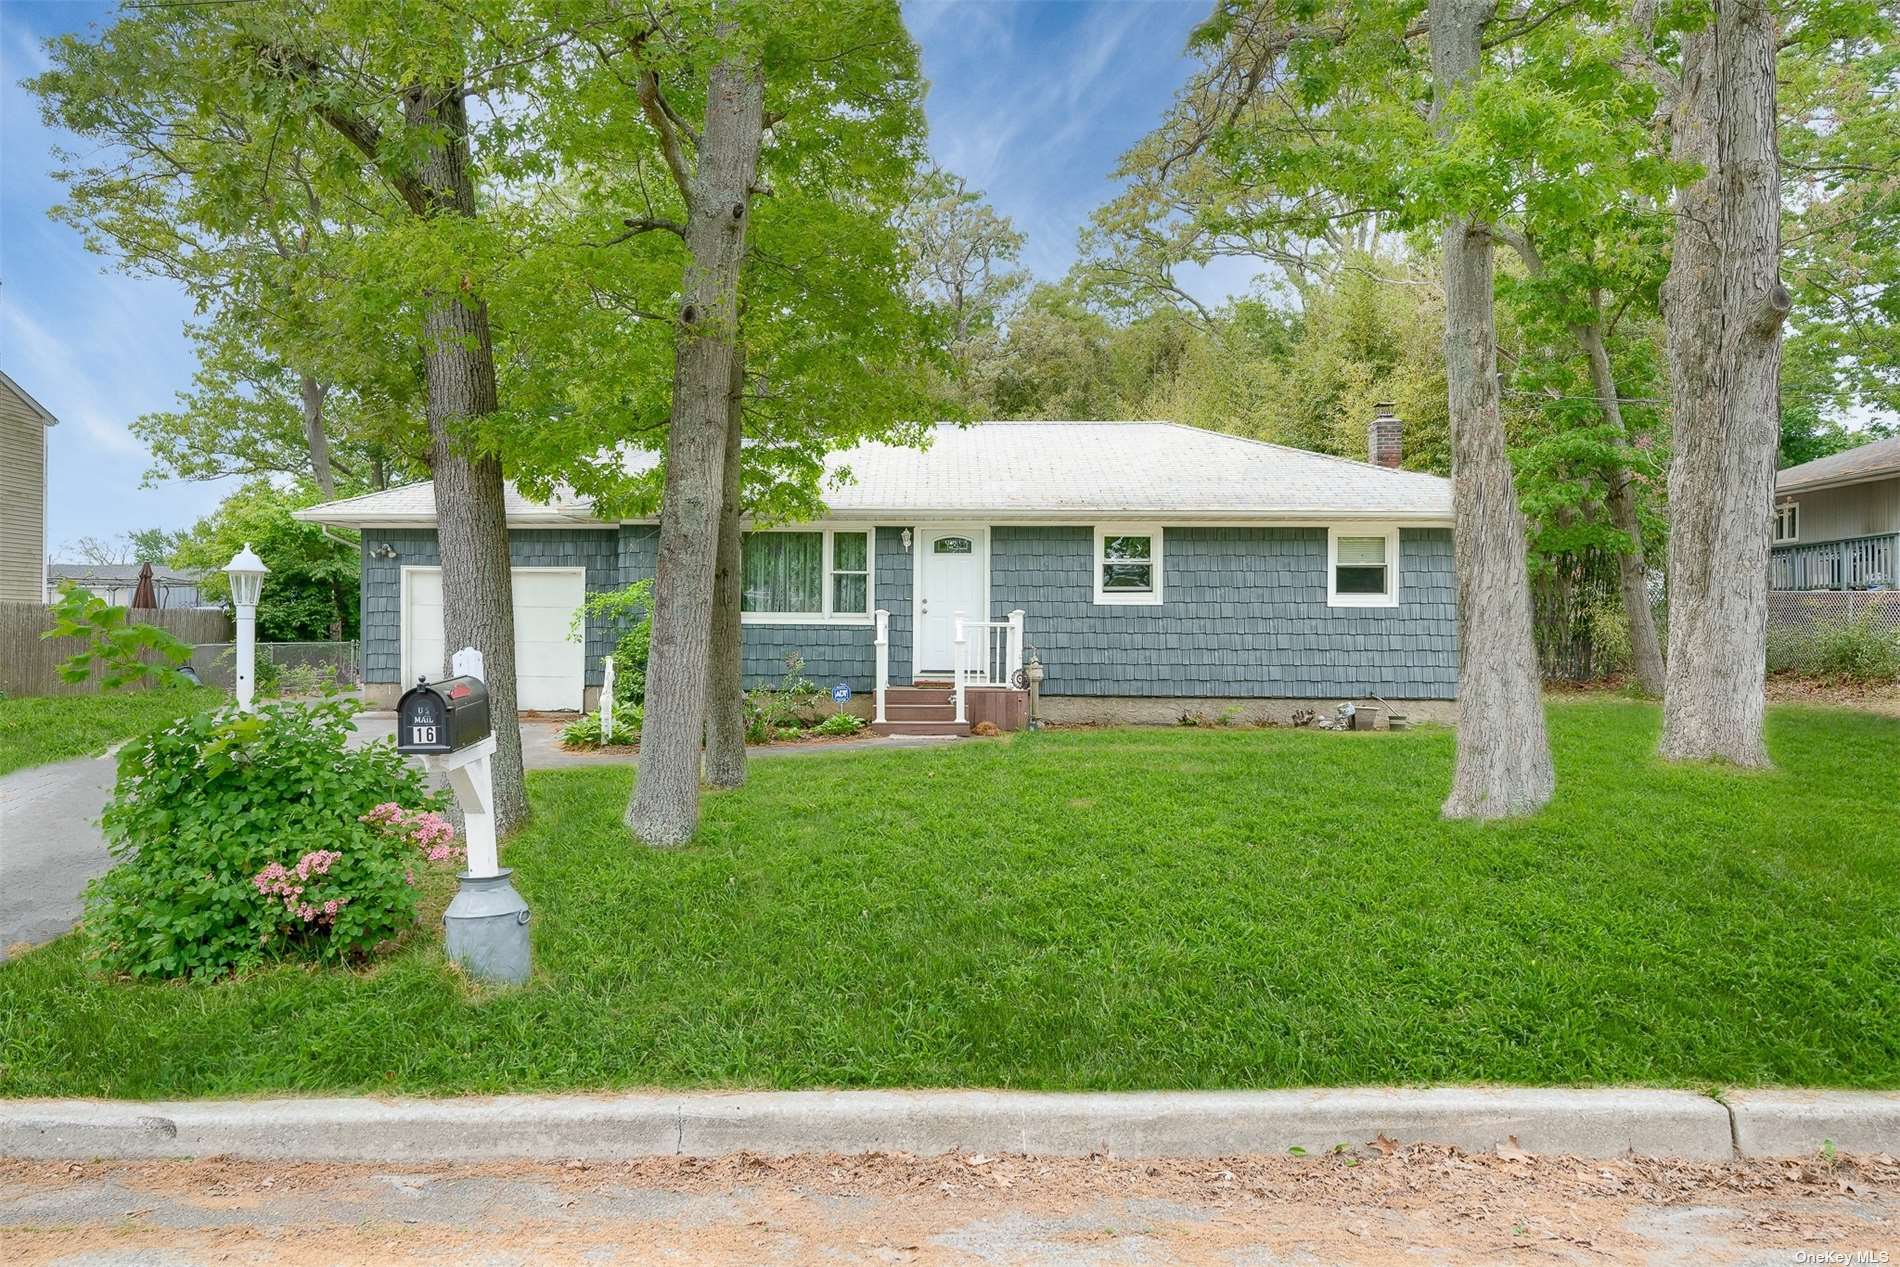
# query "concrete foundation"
(1167, 710)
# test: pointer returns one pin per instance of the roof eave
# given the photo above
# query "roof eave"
(1823, 484)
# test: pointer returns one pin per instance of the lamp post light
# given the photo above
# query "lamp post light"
(246, 572)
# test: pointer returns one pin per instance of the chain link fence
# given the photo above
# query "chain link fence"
(1804, 611)
(284, 668)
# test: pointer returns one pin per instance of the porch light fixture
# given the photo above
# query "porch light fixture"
(905, 537)
(246, 572)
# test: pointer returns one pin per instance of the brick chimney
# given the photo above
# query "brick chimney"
(1383, 436)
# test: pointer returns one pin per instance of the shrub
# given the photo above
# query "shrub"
(241, 837)
(772, 709)
(120, 649)
(839, 724)
(1855, 650)
(584, 731)
(634, 603)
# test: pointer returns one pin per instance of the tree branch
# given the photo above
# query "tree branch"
(661, 116)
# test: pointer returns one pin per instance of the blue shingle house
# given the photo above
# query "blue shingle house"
(1150, 568)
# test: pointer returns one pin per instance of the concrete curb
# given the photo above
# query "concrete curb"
(1802, 1123)
(1588, 1123)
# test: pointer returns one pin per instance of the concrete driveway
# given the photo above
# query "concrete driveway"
(50, 844)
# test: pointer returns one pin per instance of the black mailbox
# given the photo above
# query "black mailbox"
(445, 716)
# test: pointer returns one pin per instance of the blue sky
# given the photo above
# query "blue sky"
(1031, 100)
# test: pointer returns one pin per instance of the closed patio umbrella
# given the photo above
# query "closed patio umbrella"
(145, 597)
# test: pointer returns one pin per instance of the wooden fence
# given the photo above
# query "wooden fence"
(29, 664)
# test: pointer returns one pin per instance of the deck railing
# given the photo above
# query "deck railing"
(988, 653)
(1854, 563)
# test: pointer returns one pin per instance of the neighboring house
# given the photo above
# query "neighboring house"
(116, 583)
(1157, 569)
(1837, 521)
(23, 424)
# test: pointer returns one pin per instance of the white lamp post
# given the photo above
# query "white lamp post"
(246, 572)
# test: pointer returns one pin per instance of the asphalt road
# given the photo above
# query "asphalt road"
(1419, 1204)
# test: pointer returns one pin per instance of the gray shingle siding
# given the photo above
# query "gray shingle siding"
(1243, 614)
(599, 550)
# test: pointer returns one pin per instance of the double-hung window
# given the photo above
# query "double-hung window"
(806, 576)
(1362, 567)
(1128, 564)
(1787, 521)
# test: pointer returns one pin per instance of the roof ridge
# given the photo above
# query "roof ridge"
(1305, 453)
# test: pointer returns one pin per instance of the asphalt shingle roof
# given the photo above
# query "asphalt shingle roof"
(1029, 470)
(1868, 461)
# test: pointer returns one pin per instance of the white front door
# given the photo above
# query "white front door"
(952, 576)
(550, 664)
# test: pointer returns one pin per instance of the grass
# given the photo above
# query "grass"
(1110, 909)
(38, 729)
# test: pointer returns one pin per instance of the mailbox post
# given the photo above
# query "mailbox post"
(447, 723)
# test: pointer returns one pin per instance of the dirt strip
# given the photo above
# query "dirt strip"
(1421, 1203)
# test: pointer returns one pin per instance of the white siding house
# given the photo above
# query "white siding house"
(23, 424)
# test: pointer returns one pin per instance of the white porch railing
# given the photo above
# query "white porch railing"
(883, 661)
(993, 660)
(995, 657)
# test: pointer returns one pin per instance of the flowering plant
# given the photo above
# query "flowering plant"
(247, 836)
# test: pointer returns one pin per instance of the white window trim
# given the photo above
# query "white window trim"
(1394, 578)
(1127, 598)
(828, 596)
(1795, 508)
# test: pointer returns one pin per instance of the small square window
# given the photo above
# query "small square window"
(1128, 565)
(1362, 570)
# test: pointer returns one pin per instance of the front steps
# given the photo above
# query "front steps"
(926, 709)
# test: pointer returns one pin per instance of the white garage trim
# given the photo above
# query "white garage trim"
(550, 666)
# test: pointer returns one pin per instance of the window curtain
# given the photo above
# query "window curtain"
(783, 572)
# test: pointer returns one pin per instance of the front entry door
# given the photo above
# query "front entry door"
(951, 566)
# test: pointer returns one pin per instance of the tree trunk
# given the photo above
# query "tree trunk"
(665, 807)
(1632, 569)
(1723, 306)
(471, 525)
(1503, 766)
(313, 393)
(725, 682)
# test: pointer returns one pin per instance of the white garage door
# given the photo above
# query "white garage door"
(549, 664)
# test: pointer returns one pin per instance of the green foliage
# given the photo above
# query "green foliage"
(206, 805)
(1029, 915)
(123, 652)
(312, 593)
(631, 606)
(1855, 650)
(585, 732)
(772, 710)
(839, 725)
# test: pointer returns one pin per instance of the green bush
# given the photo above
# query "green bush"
(584, 731)
(241, 837)
(770, 710)
(632, 603)
(839, 724)
(1855, 650)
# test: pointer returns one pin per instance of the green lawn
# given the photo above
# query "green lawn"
(1109, 909)
(37, 729)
